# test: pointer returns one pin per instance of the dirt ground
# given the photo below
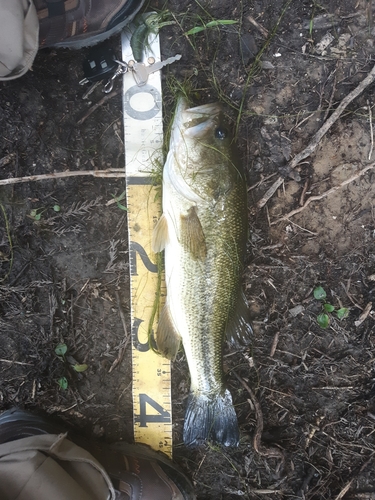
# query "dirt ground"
(304, 395)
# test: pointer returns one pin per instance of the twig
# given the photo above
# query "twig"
(7, 159)
(181, 28)
(344, 490)
(11, 362)
(258, 447)
(302, 228)
(97, 105)
(274, 344)
(120, 356)
(346, 289)
(331, 98)
(314, 429)
(122, 314)
(264, 492)
(370, 78)
(302, 197)
(111, 172)
(306, 482)
(371, 130)
(258, 26)
(263, 179)
(364, 314)
(326, 193)
(370, 495)
(348, 485)
(200, 465)
(270, 192)
(126, 336)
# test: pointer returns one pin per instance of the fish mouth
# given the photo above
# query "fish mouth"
(195, 122)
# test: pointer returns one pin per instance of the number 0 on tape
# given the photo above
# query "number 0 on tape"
(143, 131)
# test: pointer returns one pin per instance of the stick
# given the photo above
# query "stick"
(371, 131)
(364, 314)
(7, 159)
(258, 447)
(93, 108)
(11, 362)
(126, 335)
(348, 485)
(269, 193)
(325, 194)
(258, 26)
(274, 344)
(370, 78)
(331, 98)
(112, 172)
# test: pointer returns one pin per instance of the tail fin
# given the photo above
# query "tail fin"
(211, 419)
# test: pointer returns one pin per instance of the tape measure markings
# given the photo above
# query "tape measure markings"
(143, 135)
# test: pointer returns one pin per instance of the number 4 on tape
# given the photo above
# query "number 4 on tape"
(144, 418)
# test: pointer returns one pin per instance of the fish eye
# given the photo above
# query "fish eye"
(220, 133)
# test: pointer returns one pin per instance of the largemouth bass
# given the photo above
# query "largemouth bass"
(203, 231)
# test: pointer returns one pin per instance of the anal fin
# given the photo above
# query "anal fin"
(239, 330)
(167, 338)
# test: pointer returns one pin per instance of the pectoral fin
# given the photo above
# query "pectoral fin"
(167, 338)
(239, 330)
(160, 235)
(192, 236)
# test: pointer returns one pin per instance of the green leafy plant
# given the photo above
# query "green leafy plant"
(323, 318)
(80, 367)
(61, 352)
(212, 24)
(144, 27)
(36, 214)
(118, 199)
(63, 383)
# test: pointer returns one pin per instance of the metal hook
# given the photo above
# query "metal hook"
(121, 69)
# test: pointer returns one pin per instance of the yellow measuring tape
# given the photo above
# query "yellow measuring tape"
(143, 132)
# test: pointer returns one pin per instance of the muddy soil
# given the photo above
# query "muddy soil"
(304, 395)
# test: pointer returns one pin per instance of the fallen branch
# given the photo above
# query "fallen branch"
(371, 131)
(269, 193)
(346, 488)
(7, 159)
(97, 105)
(11, 362)
(325, 194)
(112, 172)
(258, 446)
(364, 314)
(370, 78)
(258, 26)
(126, 340)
